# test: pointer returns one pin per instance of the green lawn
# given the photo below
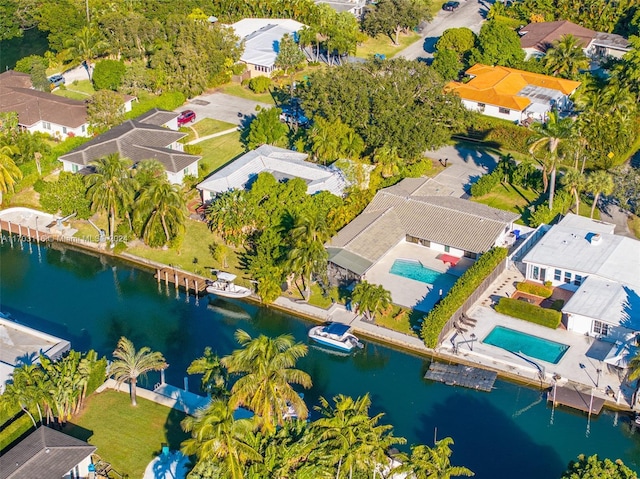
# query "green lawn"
(78, 90)
(244, 92)
(634, 225)
(384, 45)
(398, 319)
(209, 126)
(219, 151)
(508, 197)
(127, 437)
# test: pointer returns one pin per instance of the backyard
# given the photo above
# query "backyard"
(383, 45)
(205, 127)
(127, 437)
(219, 151)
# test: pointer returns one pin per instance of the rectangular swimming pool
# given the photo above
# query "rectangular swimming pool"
(529, 345)
(414, 270)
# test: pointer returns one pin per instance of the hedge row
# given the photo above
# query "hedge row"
(485, 184)
(502, 133)
(529, 312)
(461, 290)
(535, 289)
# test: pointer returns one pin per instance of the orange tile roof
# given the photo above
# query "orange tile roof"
(500, 86)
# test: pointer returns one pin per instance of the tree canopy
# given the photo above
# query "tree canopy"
(592, 467)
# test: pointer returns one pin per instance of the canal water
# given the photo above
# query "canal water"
(93, 300)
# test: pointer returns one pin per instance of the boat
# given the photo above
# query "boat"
(335, 335)
(224, 286)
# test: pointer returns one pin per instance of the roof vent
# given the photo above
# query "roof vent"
(595, 238)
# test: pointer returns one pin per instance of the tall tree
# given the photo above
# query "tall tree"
(9, 172)
(290, 58)
(130, 364)
(214, 376)
(105, 110)
(266, 367)
(497, 45)
(599, 182)
(390, 17)
(111, 188)
(266, 129)
(371, 299)
(549, 139)
(594, 468)
(86, 46)
(566, 57)
(574, 180)
(162, 211)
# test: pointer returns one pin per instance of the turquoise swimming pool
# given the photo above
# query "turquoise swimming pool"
(414, 270)
(529, 345)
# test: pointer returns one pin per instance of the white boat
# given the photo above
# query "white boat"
(335, 335)
(224, 286)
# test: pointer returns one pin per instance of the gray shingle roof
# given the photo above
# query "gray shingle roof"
(44, 454)
(157, 117)
(395, 213)
(136, 141)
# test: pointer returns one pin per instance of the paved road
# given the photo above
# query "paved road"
(220, 106)
(470, 14)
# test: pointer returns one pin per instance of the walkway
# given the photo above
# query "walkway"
(213, 135)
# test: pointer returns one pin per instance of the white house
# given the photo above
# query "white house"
(147, 137)
(602, 268)
(511, 94)
(41, 111)
(282, 163)
(47, 453)
(261, 39)
(354, 7)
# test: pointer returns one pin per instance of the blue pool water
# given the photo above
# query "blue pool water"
(414, 270)
(532, 346)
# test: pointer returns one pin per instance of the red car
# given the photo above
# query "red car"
(187, 116)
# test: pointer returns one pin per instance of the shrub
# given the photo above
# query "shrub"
(108, 75)
(461, 290)
(485, 184)
(529, 312)
(417, 169)
(166, 101)
(25, 64)
(535, 289)
(502, 133)
(259, 84)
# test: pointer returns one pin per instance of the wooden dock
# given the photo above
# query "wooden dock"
(181, 279)
(572, 397)
(461, 375)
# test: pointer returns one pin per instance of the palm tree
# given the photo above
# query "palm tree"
(599, 182)
(325, 142)
(86, 45)
(549, 138)
(432, 463)
(162, 209)
(388, 159)
(267, 369)
(216, 436)
(111, 187)
(227, 215)
(371, 298)
(352, 440)
(131, 364)
(566, 57)
(574, 180)
(147, 171)
(9, 171)
(214, 377)
(26, 390)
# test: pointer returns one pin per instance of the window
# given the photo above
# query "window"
(601, 328)
(536, 272)
(447, 249)
(64, 130)
(84, 128)
(186, 171)
(46, 125)
(577, 280)
(74, 168)
(567, 277)
(426, 243)
(412, 239)
(557, 275)
(504, 111)
(481, 107)
(469, 254)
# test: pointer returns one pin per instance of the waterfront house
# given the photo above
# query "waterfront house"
(513, 95)
(261, 39)
(41, 111)
(409, 213)
(537, 38)
(281, 163)
(150, 136)
(47, 453)
(601, 268)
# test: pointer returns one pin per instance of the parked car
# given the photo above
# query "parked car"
(55, 81)
(187, 116)
(450, 6)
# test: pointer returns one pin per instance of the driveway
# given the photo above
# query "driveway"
(470, 14)
(465, 166)
(220, 106)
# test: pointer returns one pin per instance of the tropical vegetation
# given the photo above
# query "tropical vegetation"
(529, 312)
(592, 467)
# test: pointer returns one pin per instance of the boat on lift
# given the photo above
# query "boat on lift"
(224, 286)
(335, 335)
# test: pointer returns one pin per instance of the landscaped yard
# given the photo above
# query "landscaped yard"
(398, 319)
(244, 92)
(78, 90)
(219, 151)
(205, 127)
(508, 197)
(127, 437)
(383, 45)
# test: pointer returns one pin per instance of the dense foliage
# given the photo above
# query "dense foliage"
(390, 17)
(65, 196)
(396, 103)
(592, 467)
(535, 289)
(529, 312)
(458, 294)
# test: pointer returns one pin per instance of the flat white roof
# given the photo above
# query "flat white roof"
(261, 37)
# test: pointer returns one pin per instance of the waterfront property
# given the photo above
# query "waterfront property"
(148, 137)
(513, 95)
(47, 453)
(522, 343)
(601, 268)
(283, 164)
(41, 111)
(261, 39)
(21, 345)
